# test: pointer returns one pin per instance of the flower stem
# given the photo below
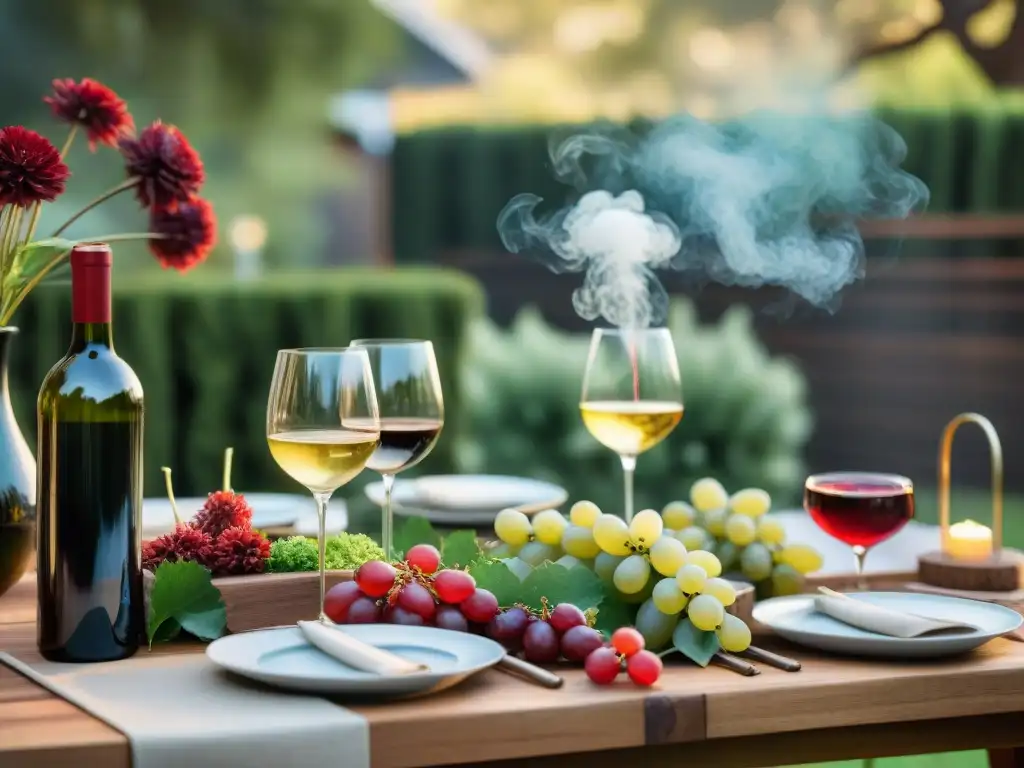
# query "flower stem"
(67, 142)
(225, 484)
(37, 209)
(128, 236)
(170, 494)
(124, 185)
(26, 289)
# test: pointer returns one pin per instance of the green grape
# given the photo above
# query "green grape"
(678, 515)
(668, 597)
(631, 574)
(535, 552)
(655, 626)
(520, 569)
(503, 550)
(803, 557)
(668, 556)
(721, 589)
(714, 521)
(705, 612)
(548, 526)
(638, 597)
(584, 514)
(728, 554)
(612, 535)
(579, 542)
(707, 494)
(786, 580)
(734, 635)
(752, 502)
(645, 529)
(691, 579)
(693, 537)
(739, 529)
(756, 562)
(706, 560)
(512, 527)
(605, 565)
(770, 531)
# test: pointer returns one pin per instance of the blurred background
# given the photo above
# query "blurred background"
(358, 153)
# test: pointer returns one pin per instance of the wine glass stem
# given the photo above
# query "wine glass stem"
(628, 467)
(860, 553)
(386, 517)
(322, 500)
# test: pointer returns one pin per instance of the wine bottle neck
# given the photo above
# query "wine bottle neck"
(90, 296)
(84, 334)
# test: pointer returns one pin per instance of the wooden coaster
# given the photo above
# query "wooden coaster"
(1002, 572)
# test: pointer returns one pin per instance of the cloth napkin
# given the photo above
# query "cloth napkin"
(182, 710)
(882, 621)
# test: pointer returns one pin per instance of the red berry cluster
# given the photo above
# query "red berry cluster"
(626, 649)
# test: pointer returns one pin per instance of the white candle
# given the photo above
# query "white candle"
(968, 541)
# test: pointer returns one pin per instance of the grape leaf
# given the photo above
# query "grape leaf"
(495, 577)
(613, 612)
(413, 531)
(577, 585)
(696, 644)
(183, 593)
(459, 549)
(33, 257)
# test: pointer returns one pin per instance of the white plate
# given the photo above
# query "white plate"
(468, 499)
(269, 510)
(795, 619)
(282, 658)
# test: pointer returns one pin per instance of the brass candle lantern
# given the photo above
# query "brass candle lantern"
(972, 558)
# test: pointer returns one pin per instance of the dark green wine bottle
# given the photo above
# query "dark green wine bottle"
(89, 454)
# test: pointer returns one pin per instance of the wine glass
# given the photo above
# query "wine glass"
(411, 412)
(860, 509)
(632, 398)
(322, 422)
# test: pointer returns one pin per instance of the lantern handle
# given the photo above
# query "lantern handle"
(996, 458)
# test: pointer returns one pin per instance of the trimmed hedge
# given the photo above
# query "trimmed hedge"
(204, 346)
(965, 156)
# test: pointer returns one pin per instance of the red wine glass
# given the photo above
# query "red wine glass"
(860, 509)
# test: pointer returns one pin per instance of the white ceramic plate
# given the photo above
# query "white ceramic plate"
(282, 658)
(795, 619)
(269, 510)
(468, 499)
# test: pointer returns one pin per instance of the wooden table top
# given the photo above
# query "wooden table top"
(833, 708)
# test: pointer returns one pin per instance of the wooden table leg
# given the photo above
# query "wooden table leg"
(1006, 758)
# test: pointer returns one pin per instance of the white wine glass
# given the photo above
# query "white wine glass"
(632, 398)
(322, 423)
(411, 412)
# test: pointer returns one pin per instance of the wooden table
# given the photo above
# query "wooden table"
(833, 709)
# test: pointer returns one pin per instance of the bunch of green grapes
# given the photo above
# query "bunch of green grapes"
(745, 537)
(527, 543)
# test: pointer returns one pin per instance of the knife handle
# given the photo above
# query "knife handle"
(772, 659)
(531, 672)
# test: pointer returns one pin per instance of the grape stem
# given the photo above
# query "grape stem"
(225, 484)
(170, 494)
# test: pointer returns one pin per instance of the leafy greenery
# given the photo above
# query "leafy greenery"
(184, 598)
(415, 530)
(343, 551)
(460, 548)
(496, 578)
(695, 644)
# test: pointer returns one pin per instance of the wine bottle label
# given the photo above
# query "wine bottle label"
(90, 283)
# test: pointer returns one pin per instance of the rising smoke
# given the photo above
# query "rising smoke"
(768, 199)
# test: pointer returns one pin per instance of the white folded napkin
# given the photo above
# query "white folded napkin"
(883, 621)
(355, 653)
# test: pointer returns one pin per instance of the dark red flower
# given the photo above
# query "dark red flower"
(168, 168)
(223, 510)
(30, 167)
(185, 542)
(237, 551)
(189, 231)
(93, 106)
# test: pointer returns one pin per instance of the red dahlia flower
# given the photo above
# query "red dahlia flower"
(168, 168)
(188, 231)
(237, 551)
(90, 104)
(185, 542)
(222, 510)
(30, 168)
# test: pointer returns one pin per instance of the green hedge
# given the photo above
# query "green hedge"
(448, 185)
(204, 348)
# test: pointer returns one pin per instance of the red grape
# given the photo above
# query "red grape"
(602, 666)
(364, 610)
(399, 615)
(339, 598)
(565, 617)
(627, 641)
(450, 617)
(417, 598)
(540, 643)
(480, 607)
(453, 586)
(643, 668)
(508, 627)
(375, 577)
(580, 641)
(424, 556)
